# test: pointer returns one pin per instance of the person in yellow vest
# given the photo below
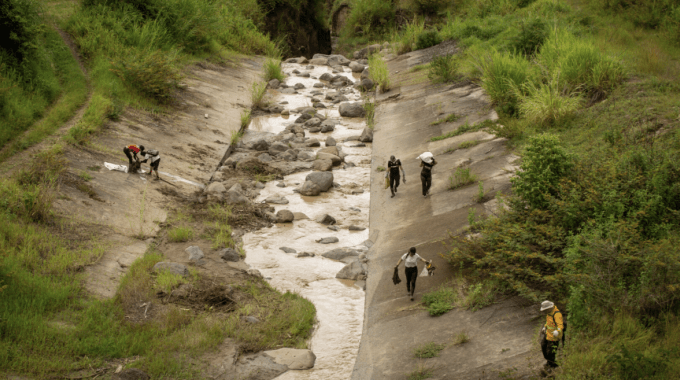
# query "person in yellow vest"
(552, 332)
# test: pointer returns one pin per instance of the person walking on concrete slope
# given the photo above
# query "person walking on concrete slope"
(155, 158)
(131, 153)
(426, 162)
(552, 332)
(410, 260)
(394, 166)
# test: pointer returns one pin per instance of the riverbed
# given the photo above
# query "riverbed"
(339, 303)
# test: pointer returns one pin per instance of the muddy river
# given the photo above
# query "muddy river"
(339, 303)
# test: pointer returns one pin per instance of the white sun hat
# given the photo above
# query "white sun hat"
(545, 305)
(427, 157)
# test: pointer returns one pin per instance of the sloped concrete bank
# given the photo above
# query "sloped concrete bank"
(500, 336)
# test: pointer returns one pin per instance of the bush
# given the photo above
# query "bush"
(440, 301)
(432, 6)
(531, 36)
(378, 72)
(272, 70)
(545, 103)
(443, 69)
(368, 16)
(460, 178)
(428, 38)
(152, 72)
(500, 73)
(404, 41)
(544, 162)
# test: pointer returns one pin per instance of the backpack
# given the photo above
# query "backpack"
(151, 152)
(564, 323)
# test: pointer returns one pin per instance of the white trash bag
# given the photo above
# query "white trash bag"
(424, 272)
(120, 168)
(427, 157)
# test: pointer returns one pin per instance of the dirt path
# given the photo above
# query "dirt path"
(500, 336)
(19, 160)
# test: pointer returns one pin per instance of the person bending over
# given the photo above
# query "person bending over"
(131, 153)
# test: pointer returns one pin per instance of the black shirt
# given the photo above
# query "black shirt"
(427, 168)
(394, 167)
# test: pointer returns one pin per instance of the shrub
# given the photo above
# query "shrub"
(431, 6)
(543, 164)
(368, 16)
(180, 234)
(428, 350)
(500, 73)
(443, 69)
(439, 301)
(272, 70)
(428, 38)
(544, 103)
(531, 36)
(460, 178)
(378, 71)
(152, 72)
(405, 41)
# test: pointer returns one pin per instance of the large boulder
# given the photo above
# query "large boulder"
(235, 195)
(309, 188)
(328, 126)
(285, 216)
(304, 117)
(330, 150)
(312, 143)
(258, 366)
(348, 109)
(323, 165)
(368, 50)
(340, 253)
(293, 358)
(338, 60)
(274, 84)
(215, 188)
(195, 253)
(326, 219)
(352, 271)
(175, 268)
(356, 67)
(335, 160)
(277, 200)
(365, 85)
(330, 141)
(326, 76)
(277, 148)
(229, 254)
(324, 180)
(366, 135)
(306, 155)
(313, 122)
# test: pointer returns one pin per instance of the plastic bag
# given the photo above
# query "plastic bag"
(424, 272)
(387, 181)
(427, 157)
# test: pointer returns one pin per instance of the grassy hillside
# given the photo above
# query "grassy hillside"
(587, 93)
(135, 52)
(36, 69)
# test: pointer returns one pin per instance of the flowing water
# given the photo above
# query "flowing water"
(339, 303)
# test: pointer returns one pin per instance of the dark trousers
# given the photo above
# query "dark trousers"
(154, 165)
(411, 276)
(128, 154)
(426, 179)
(394, 183)
(549, 348)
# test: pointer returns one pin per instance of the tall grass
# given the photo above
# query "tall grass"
(378, 71)
(272, 70)
(257, 94)
(545, 103)
(405, 40)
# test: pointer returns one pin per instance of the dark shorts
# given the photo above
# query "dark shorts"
(154, 165)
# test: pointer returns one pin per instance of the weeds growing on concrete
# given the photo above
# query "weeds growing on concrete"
(461, 338)
(461, 177)
(370, 114)
(443, 69)
(461, 130)
(378, 71)
(468, 144)
(428, 350)
(380, 169)
(257, 94)
(245, 118)
(180, 234)
(421, 373)
(235, 137)
(450, 118)
(85, 176)
(272, 70)
(480, 193)
(440, 301)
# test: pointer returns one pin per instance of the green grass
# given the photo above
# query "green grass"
(180, 234)
(448, 119)
(428, 350)
(257, 95)
(468, 144)
(462, 130)
(245, 118)
(85, 176)
(370, 114)
(272, 70)
(421, 373)
(461, 338)
(378, 72)
(440, 301)
(461, 177)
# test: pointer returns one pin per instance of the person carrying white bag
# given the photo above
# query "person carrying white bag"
(410, 260)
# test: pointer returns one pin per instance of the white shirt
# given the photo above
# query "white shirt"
(147, 156)
(411, 261)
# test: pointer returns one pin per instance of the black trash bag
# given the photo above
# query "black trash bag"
(396, 278)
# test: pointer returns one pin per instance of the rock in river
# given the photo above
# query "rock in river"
(293, 358)
(326, 219)
(285, 216)
(328, 240)
(324, 180)
(309, 188)
(287, 250)
(277, 199)
(348, 109)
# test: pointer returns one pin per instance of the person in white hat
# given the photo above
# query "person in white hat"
(552, 332)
